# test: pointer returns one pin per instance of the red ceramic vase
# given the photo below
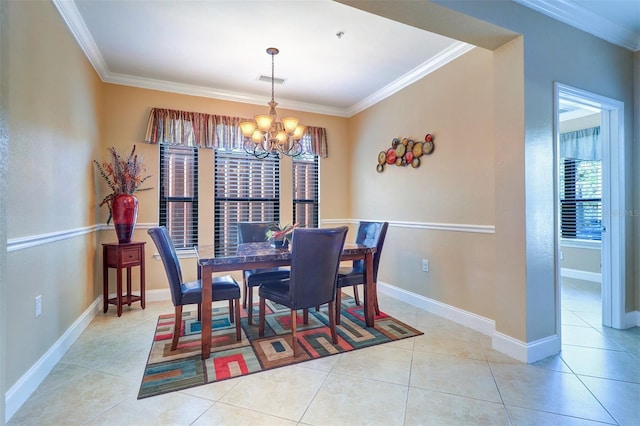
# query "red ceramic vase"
(124, 210)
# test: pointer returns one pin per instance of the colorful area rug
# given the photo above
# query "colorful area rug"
(168, 371)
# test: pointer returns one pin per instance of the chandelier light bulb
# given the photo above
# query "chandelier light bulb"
(257, 136)
(298, 132)
(247, 127)
(264, 122)
(290, 124)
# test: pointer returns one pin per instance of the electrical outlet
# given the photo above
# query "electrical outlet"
(425, 265)
(38, 305)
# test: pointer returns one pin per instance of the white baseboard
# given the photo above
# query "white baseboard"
(524, 352)
(632, 319)
(29, 382)
(150, 295)
(157, 295)
(16, 396)
(581, 275)
(468, 319)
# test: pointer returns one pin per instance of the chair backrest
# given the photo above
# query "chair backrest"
(315, 259)
(371, 233)
(169, 257)
(253, 232)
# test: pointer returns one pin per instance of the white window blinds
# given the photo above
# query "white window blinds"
(246, 189)
(179, 194)
(305, 191)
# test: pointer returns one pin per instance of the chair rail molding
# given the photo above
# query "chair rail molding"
(434, 226)
(21, 243)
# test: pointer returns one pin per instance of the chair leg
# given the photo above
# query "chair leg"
(199, 312)
(244, 296)
(355, 294)
(250, 305)
(177, 325)
(294, 332)
(338, 306)
(305, 316)
(332, 323)
(237, 315)
(261, 317)
(231, 315)
(375, 297)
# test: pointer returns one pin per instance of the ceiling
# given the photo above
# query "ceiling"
(217, 48)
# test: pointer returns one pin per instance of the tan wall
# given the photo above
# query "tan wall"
(511, 287)
(454, 185)
(53, 121)
(126, 111)
(581, 258)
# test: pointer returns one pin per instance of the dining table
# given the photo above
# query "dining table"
(262, 255)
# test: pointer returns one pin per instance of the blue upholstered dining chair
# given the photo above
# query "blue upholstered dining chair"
(252, 232)
(315, 259)
(187, 293)
(369, 233)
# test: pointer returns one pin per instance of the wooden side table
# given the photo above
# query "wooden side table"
(127, 255)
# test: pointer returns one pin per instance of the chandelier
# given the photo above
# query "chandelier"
(265, 135)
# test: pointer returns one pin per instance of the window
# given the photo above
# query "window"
(581, 198)
(305, 190)
(179, 194)
(246, 189)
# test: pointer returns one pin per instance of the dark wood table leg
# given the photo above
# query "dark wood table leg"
(142, 280)
(119, 290)
(369, 290)
(105, 281)
(206, 277)
(129, 286)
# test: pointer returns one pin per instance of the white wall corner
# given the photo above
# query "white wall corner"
(526, 352)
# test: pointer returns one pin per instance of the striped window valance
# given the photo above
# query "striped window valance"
(185, 128)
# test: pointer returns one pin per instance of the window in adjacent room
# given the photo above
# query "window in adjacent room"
(179, 194)
(305, 190)
(581, 185)
(246, 189)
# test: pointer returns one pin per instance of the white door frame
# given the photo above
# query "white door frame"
(613, 201)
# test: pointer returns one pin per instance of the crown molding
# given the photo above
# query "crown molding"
(78, 28)
(208, 92)
(585, 20)
(81, 33)
(426, 68)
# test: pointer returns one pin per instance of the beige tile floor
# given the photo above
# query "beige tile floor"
(448, 376)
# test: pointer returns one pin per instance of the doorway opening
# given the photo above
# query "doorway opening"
(590, 209)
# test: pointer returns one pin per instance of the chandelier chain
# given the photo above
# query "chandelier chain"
(273, 73)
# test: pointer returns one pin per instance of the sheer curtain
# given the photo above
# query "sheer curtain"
(185, 128)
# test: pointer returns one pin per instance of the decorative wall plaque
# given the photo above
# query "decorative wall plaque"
(405, 152)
